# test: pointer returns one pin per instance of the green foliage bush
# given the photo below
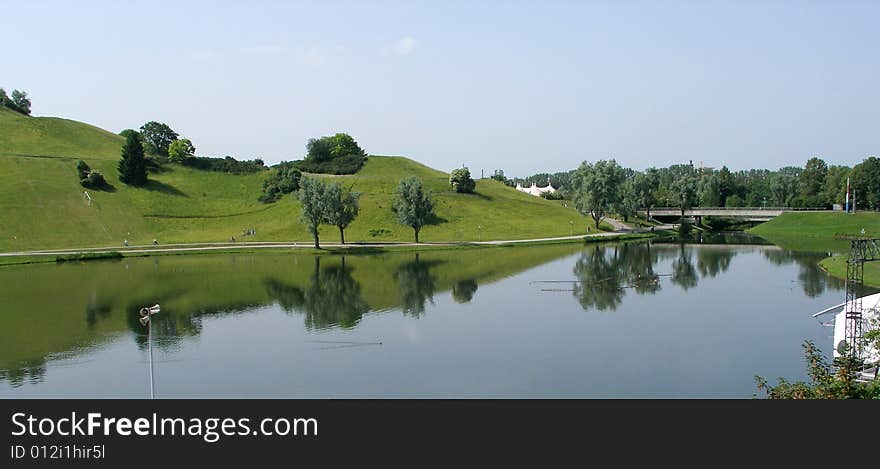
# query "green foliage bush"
(826, 381)
(374, 232)
(339, 154)
(284, 179)
(227, 164)
(82, 169)
(89, 177)
(348, 164)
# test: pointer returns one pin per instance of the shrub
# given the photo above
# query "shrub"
(348, 164)
(89, 177)
(96, 179)
(284, 179)
(374, 232)
(82, 169)
(226, 164)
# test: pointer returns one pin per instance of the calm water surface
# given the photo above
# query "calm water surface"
(604, 320)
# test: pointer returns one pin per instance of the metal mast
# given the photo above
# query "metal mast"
(861, 250)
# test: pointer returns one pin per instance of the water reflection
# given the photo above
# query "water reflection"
(55, 312)
(605, 272)
(416, 285)
(332, 298)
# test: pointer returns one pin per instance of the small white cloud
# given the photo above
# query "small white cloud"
(406, 45)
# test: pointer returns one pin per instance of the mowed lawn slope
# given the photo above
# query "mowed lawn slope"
(42, 204)
(818, 231)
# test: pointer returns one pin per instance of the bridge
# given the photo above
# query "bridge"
(748, 213)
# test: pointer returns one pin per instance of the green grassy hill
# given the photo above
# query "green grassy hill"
(817, 231)
(43, 204)
(822, 232)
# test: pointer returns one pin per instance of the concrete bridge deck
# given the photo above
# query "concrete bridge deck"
(764, 213)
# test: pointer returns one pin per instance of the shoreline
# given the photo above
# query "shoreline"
(99, 253)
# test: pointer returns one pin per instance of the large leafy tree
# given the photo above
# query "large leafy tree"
(180, 150)
(866, 183)
(132, 166)
(628, 201)
(834, 189)
(460, 180)
(685, 187)
(646, 186)
(336, 146)
(813, 177)
(312, 196)
(341, 208)
(158, 137)
(413, 205)
(709, 190)
(19, 101)
(597, 188)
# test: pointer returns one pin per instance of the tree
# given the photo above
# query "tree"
(709, 191)
(412, 205)
(341, 208)
(460, 180)
(627, 203)
(18, 103)
(646, 186)
(813, 177)
(132, 166)
(866, 183)
(21, 101)
(685, 188)
(834, 190)
(312, 196)
(597, 188)
(181, 149)
(158, 137)
(337, 146)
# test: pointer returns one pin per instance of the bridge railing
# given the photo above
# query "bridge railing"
(786, 209)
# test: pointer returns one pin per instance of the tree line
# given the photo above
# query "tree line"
(604, 186)
(326, 203)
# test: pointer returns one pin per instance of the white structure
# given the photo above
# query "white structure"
(870, 309)
(535, 190)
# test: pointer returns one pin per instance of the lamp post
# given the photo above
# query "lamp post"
(480, 232)
(145, 314)
(570, 227)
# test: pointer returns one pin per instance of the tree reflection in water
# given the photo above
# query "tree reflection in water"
(813, 279)
(684, 274)
(333, 297)
(416, 285)
(605, 272)
(463, 291)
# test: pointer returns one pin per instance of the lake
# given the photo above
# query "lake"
(639, 319)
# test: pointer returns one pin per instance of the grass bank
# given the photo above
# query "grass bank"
(822, 232)
(350, 249)
(44, 207)
(836, 266)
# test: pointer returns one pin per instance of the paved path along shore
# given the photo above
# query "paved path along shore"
(150, 248)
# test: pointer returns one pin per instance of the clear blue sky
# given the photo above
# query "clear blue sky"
(523, 86)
